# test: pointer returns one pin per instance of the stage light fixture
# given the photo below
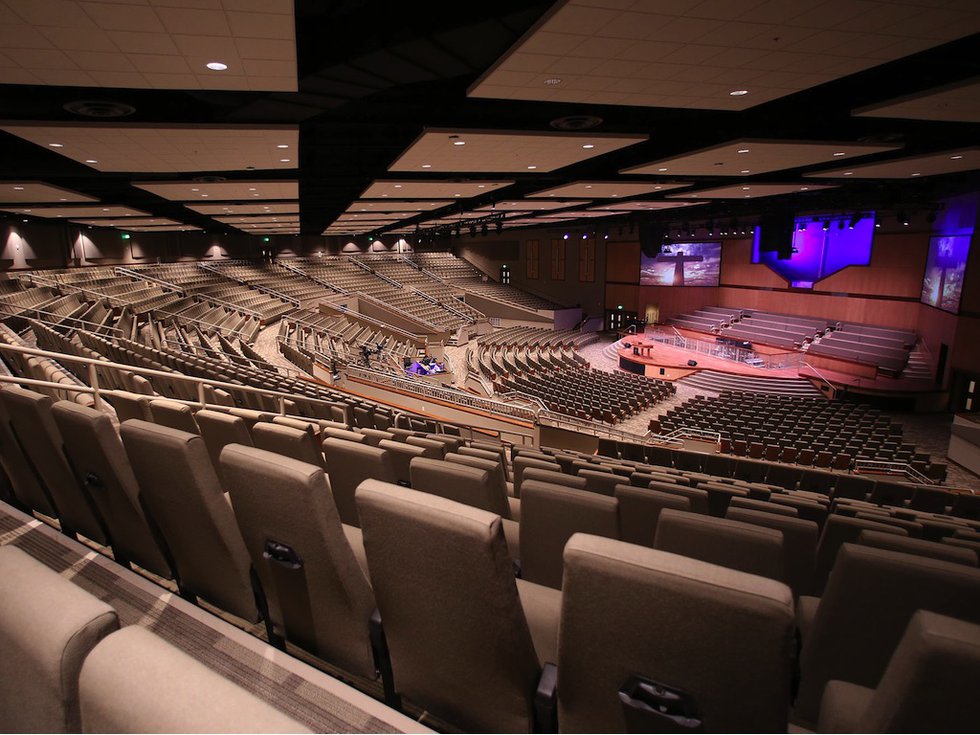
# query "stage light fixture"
(826, 226)
(565, 236)
(801, 227)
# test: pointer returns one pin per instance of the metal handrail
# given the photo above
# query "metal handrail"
(692, 433)
(899, 468)
(435, 302)
(449, 395)
(143, 277)
(818, 374)
(315, 279)
(248, 284)
(54, 283)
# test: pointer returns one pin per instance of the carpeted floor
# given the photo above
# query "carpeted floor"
(308, 696)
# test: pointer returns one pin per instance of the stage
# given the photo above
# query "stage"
(667, 362)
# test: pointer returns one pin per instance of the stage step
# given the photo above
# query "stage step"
(919, 367)
(718, 382)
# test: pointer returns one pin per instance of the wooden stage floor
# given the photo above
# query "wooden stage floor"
(673, 361)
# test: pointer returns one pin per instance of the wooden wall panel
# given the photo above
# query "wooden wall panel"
(623, 262)
(625, 294)
(883, 312)
(674, 300)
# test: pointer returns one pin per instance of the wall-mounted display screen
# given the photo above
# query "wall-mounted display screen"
(942, 285)
(819, 247)
(682, 264)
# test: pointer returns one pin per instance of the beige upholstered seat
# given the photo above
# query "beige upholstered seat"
(358, 437)
(498, 484)
(461, 644)
(180, 490)
(438, 449)
(288, 441)
(743, 546)
(318, 597)
(173, 414)
(550, 515)
(33, 427)
(555, 477)
(928, 686)
(374, 436)
(219, 429)
(763, 505)
(869, 600)
(722, 636)
(601, 483)
(639, 511)
(134, 405)
(467, 485)
(918, 546)
(100, 466)
(25, 483)
(134, 681)
(47, 628)
(799, 543)
(524, 462)
(698, 498)
(838, 530)
(402, 455)
(351, 463)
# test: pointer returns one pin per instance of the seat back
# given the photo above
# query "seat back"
(438, 449)
(350, 464)
(100, 466)
(47, 627)
(33, 427)
(460, 644)
(134, 681)
(173, 414)
(799, 543)
(318, 596)
(557, 478)
(498, 478)
(698, 498)
(402, 455)
(742, 546)
(552, 514)
(929, 684)
(639, 511)
(837, 531)
(869, 600)
(523, 462)
(25, 483)
(219, 429)
(468, 480)
(374, 436)
(288, 441)
(691, 611)
(180, 490)
(907, 545)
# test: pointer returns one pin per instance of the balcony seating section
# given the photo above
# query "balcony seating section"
(805, 431)
(779, 549)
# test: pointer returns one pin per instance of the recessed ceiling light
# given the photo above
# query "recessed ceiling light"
(56, 145)
(18, 188)
(742, 150)
(839, 154)
(459, 142)
(848, 173)
(62, 199)
(426, 165)
(662, 169)
(481, 186)
(531, 168)
(804, 188)
(282, 145)
(738, 92)
(745, 188)
(216, 66)
(195, 189)
(955, 158)
(105, 209)
(744, 171)
(917, 174)
(203, 195)
(90, 160)
(588, 146)
(552, 82)
(283, 160)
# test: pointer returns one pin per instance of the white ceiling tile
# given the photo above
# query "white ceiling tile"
(159, 64)
(59, 13)
(35, 192)
(265, 48)
(543, 42)
(115, 17)
(213, 47)
(101, 61)
(22, 37)
(63, 77)
(69, 39)
(262, 25)
(193, 20)
(118, 79)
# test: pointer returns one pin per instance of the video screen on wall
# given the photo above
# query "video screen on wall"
(819, 247)
(682, 264)
(942, 285)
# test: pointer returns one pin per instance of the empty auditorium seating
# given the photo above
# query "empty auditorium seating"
(47, 628)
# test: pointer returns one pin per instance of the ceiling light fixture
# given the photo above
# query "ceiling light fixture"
(662, 169)
(955, 158)
(738, 92)
(216, 66)
(588, 146)
(531, 168)
(426, 165)
(839, 154)
(90, 160)
(18, 188)
(284, 160)
(56, 145)
(282, 145)
(552, 82)
(459, 142)
(742, 150)
(744, 171)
